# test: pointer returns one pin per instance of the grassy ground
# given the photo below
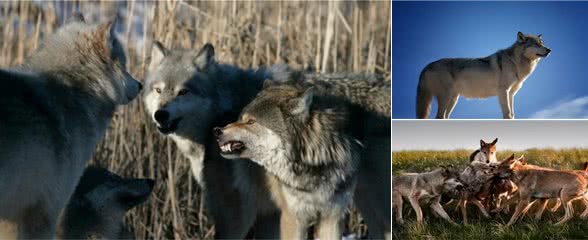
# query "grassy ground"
(494, 228)
(341, 36)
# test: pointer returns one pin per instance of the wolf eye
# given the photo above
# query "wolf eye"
(250, 121)
(158, 90)
(182, 92)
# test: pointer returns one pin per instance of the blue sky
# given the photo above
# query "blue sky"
(423, 32)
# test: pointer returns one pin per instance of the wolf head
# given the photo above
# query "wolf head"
(451, 181)
(179, 93)
(532, 46)
(99, 203)
(507, 166)
(265, 126)
(88, 57)
(488, 151)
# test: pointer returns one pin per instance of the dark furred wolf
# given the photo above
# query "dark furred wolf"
(99, 204)
(187, 94)
(321, 139)
(54, 110)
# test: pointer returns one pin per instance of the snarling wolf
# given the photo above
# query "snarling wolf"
(187, 94)
(417, 187)
(320, 142)
(55, 108)
(99, 203)
(533, 184)
(501, 74)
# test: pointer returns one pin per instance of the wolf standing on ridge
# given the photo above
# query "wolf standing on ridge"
(501, 74)
(55, 108)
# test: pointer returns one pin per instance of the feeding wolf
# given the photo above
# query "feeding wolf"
(99, 203)
(55, 108)
(320, 142)
(501, 74)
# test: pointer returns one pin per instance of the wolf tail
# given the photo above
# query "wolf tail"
(424, 99)
(585, 168)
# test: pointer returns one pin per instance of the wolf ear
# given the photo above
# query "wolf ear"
(494, 142)
(75, 17)
(158, 52)
(108, 30)
(540, 35)
(482, 143)
(134, 192)
(303, 103)
(521, 37)
(205, 57)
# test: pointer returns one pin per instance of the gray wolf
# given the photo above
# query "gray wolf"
(55, 108)
(476, 178)
(318, 142)
(501, 74)
(187, 94)
(417, 187)
(99, 203)
(534, 184)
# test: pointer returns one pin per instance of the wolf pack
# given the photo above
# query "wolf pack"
(493, 186)
(274, 150)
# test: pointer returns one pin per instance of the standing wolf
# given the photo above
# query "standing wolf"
(187, 94)
(55, 108)
(319, 141)
(501, 74)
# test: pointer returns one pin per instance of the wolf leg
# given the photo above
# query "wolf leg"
(267, 226)
(414, 201)
(397, 202)
(569, 208)
(291, 227)
(37, 222)
(542, 207)
(556, 205)
(442, 101)
(464, 213)
(481, 207)
(519, 209)
(585, 213)
(452, 101)
(511, 94)
(436, 206)
(504, 105)
(331, 226)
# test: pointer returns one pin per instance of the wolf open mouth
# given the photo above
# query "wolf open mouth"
(232, 147)
(542, 55)
(169, 126)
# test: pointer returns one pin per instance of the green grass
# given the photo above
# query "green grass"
(494, 228)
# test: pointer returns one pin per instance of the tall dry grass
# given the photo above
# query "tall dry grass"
(319, 36)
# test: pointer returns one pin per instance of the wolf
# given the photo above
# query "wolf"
(187, 94)
(486, 154)
(532, 184)
(55, 108)
(99, 203)
(476, 178)
(501, 74)
(417, 187)
(319, 145)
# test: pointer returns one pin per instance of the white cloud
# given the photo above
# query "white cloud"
(574, 108)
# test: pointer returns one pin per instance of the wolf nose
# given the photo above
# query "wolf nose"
(548, 50)
(140, 86)
(217, 131)
(161, 116)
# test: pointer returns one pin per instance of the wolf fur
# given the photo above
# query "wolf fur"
(318, 144)
(417, 187)
(533, 184)
(55, 108)
(501, 74)
(187, 94)
(99, 203)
